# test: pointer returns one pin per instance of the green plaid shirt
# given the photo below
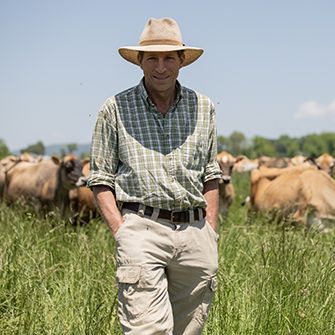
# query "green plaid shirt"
(158, 160)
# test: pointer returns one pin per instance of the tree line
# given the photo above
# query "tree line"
(285, 146)
(39, 148)
(236, 143)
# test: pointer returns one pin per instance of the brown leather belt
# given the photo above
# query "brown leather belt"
(173, 216)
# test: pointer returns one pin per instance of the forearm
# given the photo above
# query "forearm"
(107, 206)
(211, 194)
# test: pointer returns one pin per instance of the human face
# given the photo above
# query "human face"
(161, 70)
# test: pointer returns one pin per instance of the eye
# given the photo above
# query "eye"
(69, 166)
(151, 58)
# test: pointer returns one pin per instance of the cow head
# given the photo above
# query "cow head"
(70, 171)
(226, 162)
(82, 181)
(244, 164)
(325, 162)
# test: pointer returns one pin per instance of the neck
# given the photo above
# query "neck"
(163, 100)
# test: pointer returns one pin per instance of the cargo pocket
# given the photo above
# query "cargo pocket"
(209, 291)
(131, 294)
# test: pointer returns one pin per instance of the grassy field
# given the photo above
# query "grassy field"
(58, 279)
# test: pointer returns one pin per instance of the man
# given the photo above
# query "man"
(155, 180)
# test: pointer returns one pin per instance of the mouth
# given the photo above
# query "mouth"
(161, 78)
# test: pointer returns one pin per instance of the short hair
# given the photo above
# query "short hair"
(141, 54)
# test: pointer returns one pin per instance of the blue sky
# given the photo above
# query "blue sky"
(269, 66)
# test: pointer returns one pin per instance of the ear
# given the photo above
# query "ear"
(182, 59)
(239, 158)
(140, 58)
(55, 159)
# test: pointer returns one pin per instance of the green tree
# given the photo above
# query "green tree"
(38, 148)
(62, 151)
(85, 155)
(329, 140)
(4, 151)
(286, 146)
(238, 143)
(223, 143)
(262, 146)
(313, 145)
(72, 147)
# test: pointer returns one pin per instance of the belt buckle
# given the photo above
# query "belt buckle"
(173, 213)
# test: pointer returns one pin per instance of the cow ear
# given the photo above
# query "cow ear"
(85, 161)
(239, 158)
(55, 159)
(310, 159)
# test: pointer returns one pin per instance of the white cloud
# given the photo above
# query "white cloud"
(313, 110)
(331, 108)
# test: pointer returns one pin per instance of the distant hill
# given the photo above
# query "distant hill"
(57, 149)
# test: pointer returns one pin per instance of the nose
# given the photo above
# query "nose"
(160, 65)
(226, 179)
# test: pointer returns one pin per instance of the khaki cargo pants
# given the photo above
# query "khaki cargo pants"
(166, 275)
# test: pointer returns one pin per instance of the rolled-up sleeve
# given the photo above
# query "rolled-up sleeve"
(104, 156)
(212, 169)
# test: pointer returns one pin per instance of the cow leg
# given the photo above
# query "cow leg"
(313, 220)
(300, 218)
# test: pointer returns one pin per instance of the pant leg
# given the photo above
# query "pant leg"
(143, 251)
(192, 276)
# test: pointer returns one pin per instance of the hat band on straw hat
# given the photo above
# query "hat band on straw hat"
(160, 42)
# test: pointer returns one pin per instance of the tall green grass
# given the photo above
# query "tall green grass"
(54, 278)
(59, 279)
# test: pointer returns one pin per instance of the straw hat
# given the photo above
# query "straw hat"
(160, 35)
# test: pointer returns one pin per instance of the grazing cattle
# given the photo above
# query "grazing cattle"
(8, 163)
(299, 160)
(5, 165)
(46, 182)
(273, 162)
(244, 164)
(305, 194)
(226, 188)
(82, 199)
(325, 163)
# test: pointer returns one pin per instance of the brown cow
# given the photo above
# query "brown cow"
(299, 160)
(8, 163)
(244, 164)
(82, 200)
(48, 182)
(226, 188)
(273, 162)
(326, 163)
(305, 194)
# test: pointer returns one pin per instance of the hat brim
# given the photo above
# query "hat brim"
(130, 53)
